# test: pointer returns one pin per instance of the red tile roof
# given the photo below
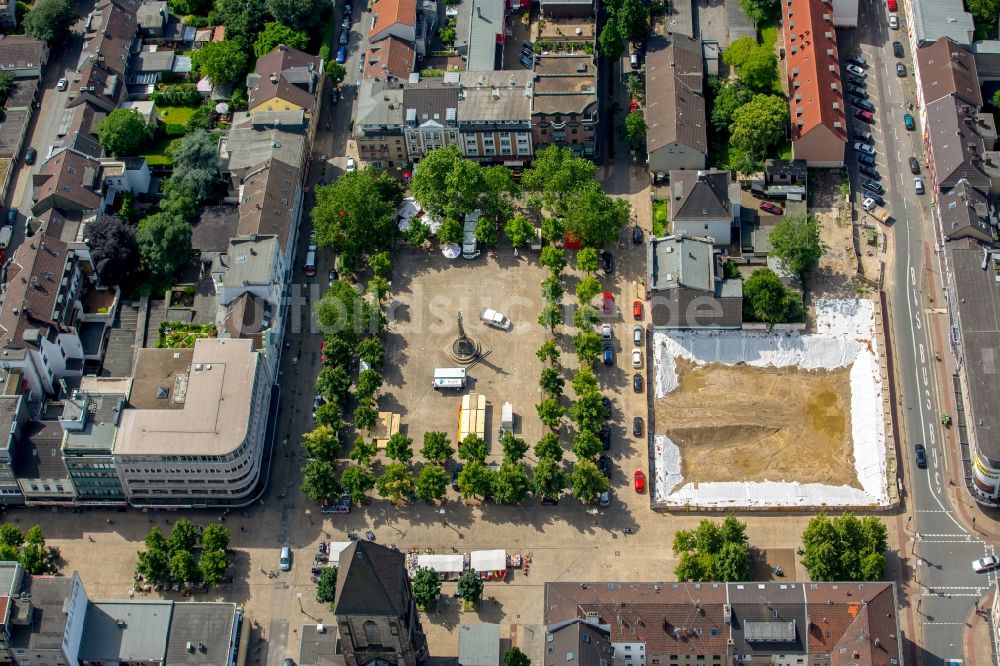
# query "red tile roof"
(389, 58)
(386, 13)
(811, 63)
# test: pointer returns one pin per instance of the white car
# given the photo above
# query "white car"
(986, 564)
(636, 358)
(854, 69)
(918, 185)
(62, 85)
(605, 331)
(893, 21)
(491, 317)
(352, 166)
(864, 148)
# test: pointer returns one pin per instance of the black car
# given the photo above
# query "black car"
(29, 155)
(870, 172)
(863, 104)
(897, 49)
(546, 501)
(876, 198)
(636, 235)
(606, 403)
(335, 96)
(855, 80)
(604, 463)
(637, 426)
(858, 90)
(637, 383)
(525, 61)
(454, 476)
(900, 70)
(921, 455)
(606, 437)
(607, 261)
(857, 60)
(862, 135)
(914, 165)
(317, 403)
(872, 186)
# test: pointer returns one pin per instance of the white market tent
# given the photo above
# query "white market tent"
(442, 564)
(335, 549)
(489, 563)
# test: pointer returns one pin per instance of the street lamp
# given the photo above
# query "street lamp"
(309, 516)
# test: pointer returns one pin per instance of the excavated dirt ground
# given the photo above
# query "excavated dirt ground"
(742, 423)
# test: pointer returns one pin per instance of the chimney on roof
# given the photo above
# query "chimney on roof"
(282, 47)
(274, 77)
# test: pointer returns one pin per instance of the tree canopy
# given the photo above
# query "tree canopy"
(426, 587)
(396, 483)
(713, 552)
(48, 20)
(593, 217)
(319, 480)
(220, 62)
(164, 245)
(326, 586)
(634, 130)
(122, 132)
(587, 481)
(556, 174)
(759, 124)
(730, 94)
(298, 14)
(113, 250)
(845, 548)
(437, 447)
(766, 299)
(432, 482)
(762, 11)
(356, 213)
(796, 241)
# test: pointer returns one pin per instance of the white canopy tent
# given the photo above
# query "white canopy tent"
(489, 563)
(442, 564)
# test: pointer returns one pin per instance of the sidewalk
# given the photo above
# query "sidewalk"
(978, 640)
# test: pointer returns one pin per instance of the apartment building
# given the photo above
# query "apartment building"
(13, 419)
(701, 204)
(564, 103)
(39, 466)
(689, 286)
(194, 428)
(494, 116)
(430, 116)
(287, 81)
(676, 133)
(378, 124)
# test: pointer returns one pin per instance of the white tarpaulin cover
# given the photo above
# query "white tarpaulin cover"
(441, 563)
(488, 560)
(335, 549)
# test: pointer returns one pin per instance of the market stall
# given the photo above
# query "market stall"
(448, 567)
(489, 564)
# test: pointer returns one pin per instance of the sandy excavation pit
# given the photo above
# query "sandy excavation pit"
(746, 424)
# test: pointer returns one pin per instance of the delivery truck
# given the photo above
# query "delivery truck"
(449, 378)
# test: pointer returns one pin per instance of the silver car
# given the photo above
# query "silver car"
(637, 336)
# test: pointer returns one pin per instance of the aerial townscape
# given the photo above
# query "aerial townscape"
(493, 333)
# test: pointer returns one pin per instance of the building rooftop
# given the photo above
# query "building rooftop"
(428, 101)
(682, 261)
(39, 452)
(565, 84)
(125, 631)
(45, 611)
(576, 641)
(931, 20)
(285, 74)
(90, 419)
(9, 405)
(695, 195)
(216, 381)
(250, 261)
(380, 104)
(479, 644)
(372, 581)
(386, 13)
(956, 147)
(245, 147)
(675, 107)
(390, 59)
(35, 297)
(208, 627)
(965, 212)
(18, 52)
(68, 179)
(215, 226)
(486, 33)
(268, 201)
(318, 648)
(495, 96)
(948, 69)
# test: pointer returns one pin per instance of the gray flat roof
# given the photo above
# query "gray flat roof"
(48, 617)
(125, 631)
(316, 647)
(679, 261)
(933, 19)
(101, 414)
(201, 624)
(486, 22)
(479, 644)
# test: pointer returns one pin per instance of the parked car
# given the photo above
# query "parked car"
(854, 69)
(454, 476)
(345, 35)
(920, 454)
(605, 331)
(604, 463)
(894, 21)
(863, 135)
(864, 148)
(495, 319)
(352, 166)
(331, 276)
(857, 90)
(525, 61)
(867, 160)
(29, 155)
(856, 59)
(897, 49)
(869, 172)
(636, 358)
(12, 216)
(639, 479)
(872, 186)
(873, 198)
(918, 185)
(605, 437)
(866, 116)
(637, 310)
(863, 104)
(334, 95)
(637, 235)
(637, 426)
(986, 564)
(633, 59)
(604, 499)
(900, 69)
(637, 383)
(606, 404)
(914, 165)
(285, 559)
(607, 261)
(608, 355)
(855, 80)
(62, 85)
(345, 24)
(341, 55)
(348, 9)
(637, 336)
(317, 403)
(773, 209)
(908, 122)
(891, 6)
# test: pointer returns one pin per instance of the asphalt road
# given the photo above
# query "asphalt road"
(940, 549)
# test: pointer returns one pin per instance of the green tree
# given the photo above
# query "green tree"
(335, 73)
(357, 481)
(319, 481)
(996, 99)
(213, 565)
(738, 51)
(593, 217)
(796, 241)
(437, 447)
(611, 42)
(426, 587)
(587, 481)
(587, 288)
(470, 588)
(183, 536)
(243, 18)
(514, 448)
(475, 480)
(764, 11)
(497, 198)
(34, 559)
(635, 86)
(334, 384)
(196, 164)
(331, 415)
(380, 263)
(365, 417)
(550, 412)
(634, 130)
(220, 62)
(122, 132)
(553, 229)
(764, 297)
(153, 565)
(113, 250)
(552, 291)
(371, 351)
(396, 483)
(215, 537)
(11, 535)
(363, 452)
(760, 70)
(845, 548)
(514, 657)
(550, 317)
(713, 552)
(356, 213)
(473, 447)
(450, 231)
(519, 230)
(759, 124)
(588, 346)
(551, 382)
(446, 184)
(585, 382)
(183, 568)
(548, 352)
(189, 7)
(48, 20)
(369, 382)
(553, 258)
(34, 536)
(326, 586)
(347, 314)
(549, 447)
(632, 17)
(586, 317)
(549, 479)
(510, 483)
(586, 445)
(275, 33)
(586, 260)
(556, 173)
(299, 14)
(731, 270)
(164, 245)
(321, 443)
(399, 448)
(730, 94)
(432, 482)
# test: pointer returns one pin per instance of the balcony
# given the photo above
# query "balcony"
(99, 305)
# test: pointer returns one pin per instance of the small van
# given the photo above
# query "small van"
(470, 247)
(310, 265)
(449, 378)
(285, 561)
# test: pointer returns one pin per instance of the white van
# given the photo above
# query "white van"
(285, 561)
(449, 378)
(310, 265)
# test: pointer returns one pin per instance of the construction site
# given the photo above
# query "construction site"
(803, 429)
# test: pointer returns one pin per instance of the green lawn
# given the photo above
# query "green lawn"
(785, 151)
(769, 35)
(660, 215)
(176, 115)
(157, 154)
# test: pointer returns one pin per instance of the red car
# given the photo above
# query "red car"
(866, 116)
(637, 310)
(891, 4)
(640, 481)
(774, 209)
(608, 304)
